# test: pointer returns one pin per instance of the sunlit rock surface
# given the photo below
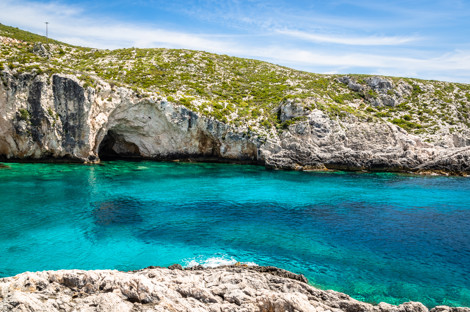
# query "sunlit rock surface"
(231, 288)
(57, 118)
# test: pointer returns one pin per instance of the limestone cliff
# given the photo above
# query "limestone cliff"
(261, 289)
(353, 144)
(55, 117)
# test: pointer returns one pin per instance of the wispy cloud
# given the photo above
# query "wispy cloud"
(71, 24)
(267, 15)
(357, 41)
(388, 55)
(452, 61)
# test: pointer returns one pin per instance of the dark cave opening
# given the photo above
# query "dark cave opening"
(114, 146)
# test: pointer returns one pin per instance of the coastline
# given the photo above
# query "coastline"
(67, 121)
(406, 171)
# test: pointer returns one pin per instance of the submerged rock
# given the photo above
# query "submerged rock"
(230, 288)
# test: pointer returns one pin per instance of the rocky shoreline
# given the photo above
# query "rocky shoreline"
(228, 288)
(58, 118)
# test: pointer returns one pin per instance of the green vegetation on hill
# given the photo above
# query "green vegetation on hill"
(243, 91)
(16, 33)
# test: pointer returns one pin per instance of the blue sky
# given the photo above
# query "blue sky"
(423, 39)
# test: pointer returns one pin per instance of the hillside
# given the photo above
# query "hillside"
(243, 91)
(234, 109)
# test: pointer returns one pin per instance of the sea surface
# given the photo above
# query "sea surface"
(375, 236)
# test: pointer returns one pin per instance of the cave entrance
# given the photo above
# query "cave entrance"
(114, 146)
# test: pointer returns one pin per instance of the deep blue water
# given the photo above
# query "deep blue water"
(377, 237)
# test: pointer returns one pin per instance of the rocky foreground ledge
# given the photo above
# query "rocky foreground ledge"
(230, 288)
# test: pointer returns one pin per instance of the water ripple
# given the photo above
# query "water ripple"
(377, 237)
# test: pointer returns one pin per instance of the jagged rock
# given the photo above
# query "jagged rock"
(352, 84)
(290, 109)
(230, 288)
(384, 91)
(40, 50)
(379, 84)
(352, 144)
(175, 266)
(58, 118)
(66, 120)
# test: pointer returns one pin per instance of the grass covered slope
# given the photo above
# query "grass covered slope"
(246, 92)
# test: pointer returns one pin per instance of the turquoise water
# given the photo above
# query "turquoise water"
(377, 237)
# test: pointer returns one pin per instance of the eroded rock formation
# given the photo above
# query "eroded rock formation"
(233, 288)
(352, 144)
(56, 117)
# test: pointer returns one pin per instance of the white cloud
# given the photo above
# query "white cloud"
(454, 61)
(71, 24)
(358, 41)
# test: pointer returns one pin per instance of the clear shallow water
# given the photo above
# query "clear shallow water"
(376, 237)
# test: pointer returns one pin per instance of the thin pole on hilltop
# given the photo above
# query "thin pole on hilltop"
(47, 33)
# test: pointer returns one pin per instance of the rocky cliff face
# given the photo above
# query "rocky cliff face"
(261, 289)
(55, 117)
(353, 144)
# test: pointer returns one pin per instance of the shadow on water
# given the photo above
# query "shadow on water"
(346, 225)
(382, 246)
(117, 211)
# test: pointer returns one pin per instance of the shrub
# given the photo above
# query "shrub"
(407, 125)
(24, 114)
(292, 121)
(383, 114)
(265, 123)
(416, 90)
(186, 102)
(341, 98)
(217, 105)
(372, 93)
